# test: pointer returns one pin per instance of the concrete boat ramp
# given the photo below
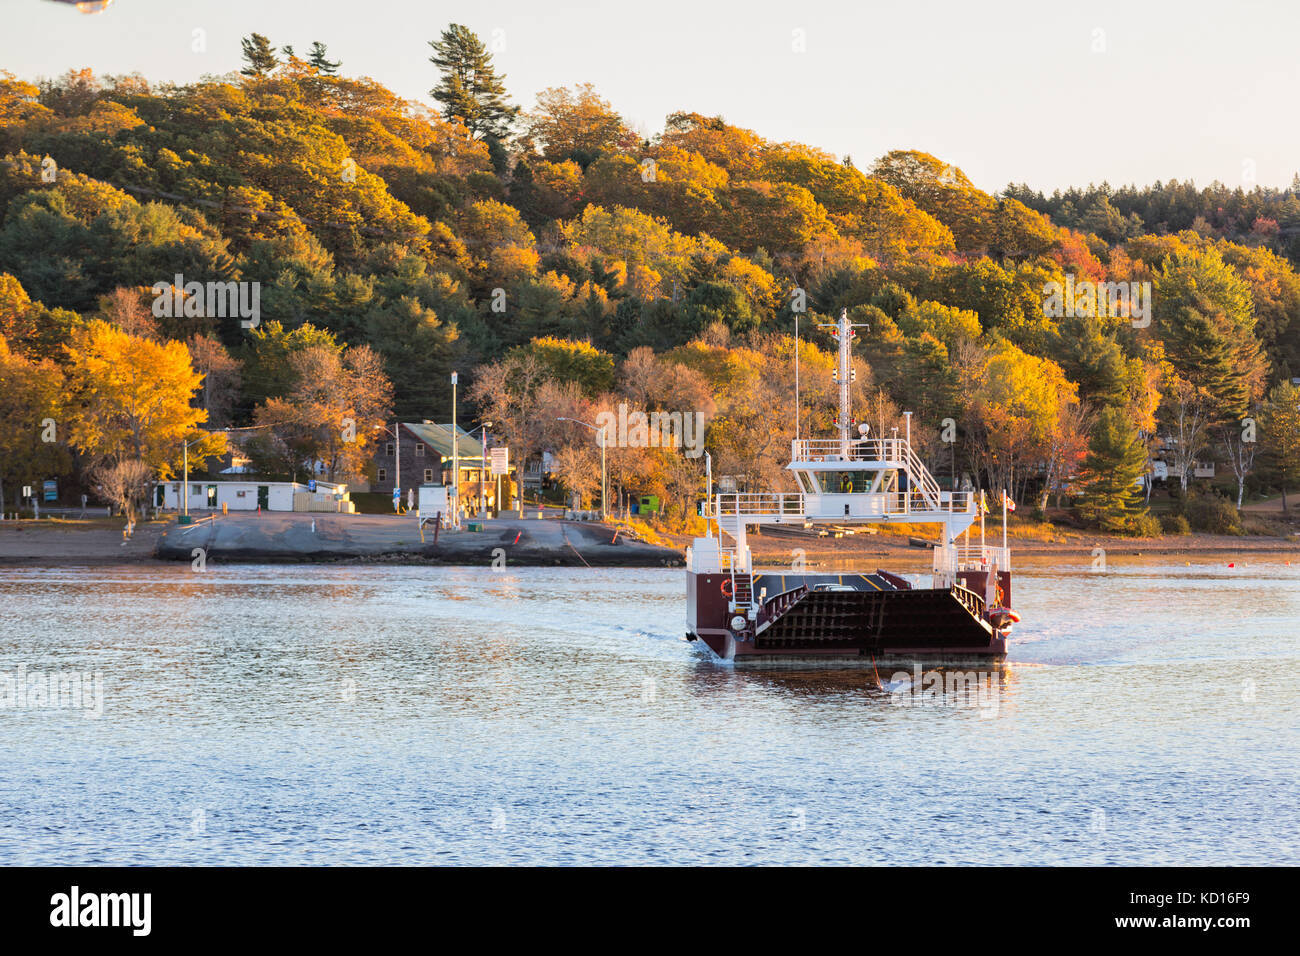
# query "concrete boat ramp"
(297, 537)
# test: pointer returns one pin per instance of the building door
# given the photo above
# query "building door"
(212, 496)
(264, 497)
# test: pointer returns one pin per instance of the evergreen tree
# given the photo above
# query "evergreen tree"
(1280, 431)
(318, 59)
(470, 89)
(1111, 498)
(259, 55)
(1208, 329)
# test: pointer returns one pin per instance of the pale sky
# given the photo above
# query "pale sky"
(1009, 90)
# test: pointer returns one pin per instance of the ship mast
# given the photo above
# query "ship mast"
(843, 333)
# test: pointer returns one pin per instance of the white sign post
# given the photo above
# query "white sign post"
(500, 457)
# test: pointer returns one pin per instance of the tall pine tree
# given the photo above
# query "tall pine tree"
(1111, 498)
(320, 61)
(470, 90)
(1280, 430)
(259, 55)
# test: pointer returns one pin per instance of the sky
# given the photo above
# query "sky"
(1051, 93)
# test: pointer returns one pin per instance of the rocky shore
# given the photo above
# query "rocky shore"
(299, 538)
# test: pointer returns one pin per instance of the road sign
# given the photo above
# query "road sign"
(311, 485)
(51, 489)
(500, 460)
(27, 491)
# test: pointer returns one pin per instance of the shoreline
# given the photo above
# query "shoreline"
(287, 538)
(327, 538)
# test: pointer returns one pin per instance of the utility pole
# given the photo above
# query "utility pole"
(604, 484)
(185, 482)
(455, 458)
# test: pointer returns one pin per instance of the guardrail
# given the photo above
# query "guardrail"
(970, 557)
(886, 450)
(785, 504)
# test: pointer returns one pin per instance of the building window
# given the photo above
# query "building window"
(419, 450)
(383, 474)
(196, 489)
(428, 475)
(388, 449)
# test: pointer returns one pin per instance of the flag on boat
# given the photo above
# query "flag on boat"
(1006, 500)
(984, 502)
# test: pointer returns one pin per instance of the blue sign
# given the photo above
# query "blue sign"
(51, 491)
(311, 484)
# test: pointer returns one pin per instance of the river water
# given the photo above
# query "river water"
(323, 714)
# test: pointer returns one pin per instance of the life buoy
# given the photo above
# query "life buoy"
(727, 589)
(1004, 615)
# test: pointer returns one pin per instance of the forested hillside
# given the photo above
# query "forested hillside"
(565, 264)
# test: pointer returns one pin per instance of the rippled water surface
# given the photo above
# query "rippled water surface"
(440, 715)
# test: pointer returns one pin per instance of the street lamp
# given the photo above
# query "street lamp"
(185, 482)
(185, 476)
(604, 494)
(482, 473)
(455, 458)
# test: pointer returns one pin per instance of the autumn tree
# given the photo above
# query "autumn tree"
(328, 417)
(506, 394)
(32, 422)
(574, 124)
(124, 484)
(29, 326)
(130, 399)
(1189, 412)
(221, 378)
(578, 362)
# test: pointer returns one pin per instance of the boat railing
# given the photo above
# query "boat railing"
(950, 559)
(787, 504)
(923, 493)
(886, 450)
(916, 501)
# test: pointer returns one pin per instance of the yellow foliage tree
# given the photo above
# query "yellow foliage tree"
(131, 400)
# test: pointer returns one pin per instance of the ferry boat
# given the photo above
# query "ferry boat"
(865, 617)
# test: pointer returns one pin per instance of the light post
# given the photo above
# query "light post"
(185, 475)
(455, 458)
(482, 474)
(604, 495)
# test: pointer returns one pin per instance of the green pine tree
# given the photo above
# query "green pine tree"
(1207, 324)
(318, 59)
(1280, 434)
(1111, 498)
(259, 55)
(470, 89)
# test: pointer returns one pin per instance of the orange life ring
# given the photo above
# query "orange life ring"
(727, 589)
